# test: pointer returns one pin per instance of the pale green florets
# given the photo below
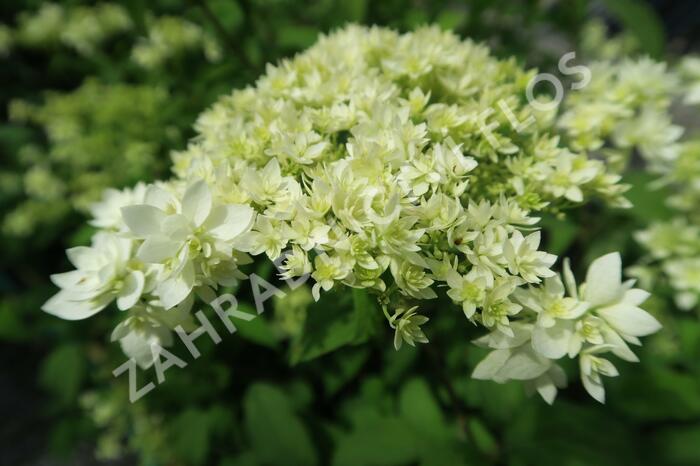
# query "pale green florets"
(168, 37)
(377, 161)
(81, 28)
(674, 246)
(97, 137)
(5, 40)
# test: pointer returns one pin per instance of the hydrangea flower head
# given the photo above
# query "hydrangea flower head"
(375, 160)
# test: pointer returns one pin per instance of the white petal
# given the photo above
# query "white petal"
(554, 286)
(569, 279)
(229, 221)
(137, 345)
(578, 310)
(546, 388)
(84, 258)
(595, 389)
(177, 227)
(574, 194)
(157, 249)
(630, 320)
(161, 198)
(175, 289)
(552, 342)
(499, 340)
(60, 306)
(603, 280)
(73, 279)
(524, 364)
(490, 365)
(635, 296)
(143, 220)
(120, 331)
(196, 203)
(131, 291)
(533, 240)
(619, 347)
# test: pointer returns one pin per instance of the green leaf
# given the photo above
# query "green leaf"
(190, 436)
(352, 10)
(678, 445)
(257, 330)
(675, 395)
(247, 458)
(483, 439)
(62, 372)
(452, 19)
(329, 326)
(640, 20)
(276, 433)
(647, 203)
(377, 441)
(368, 316)
(296, 37)
(343, 367)
(419, 408)
(558, 234)
(11, 326)
(228, 13)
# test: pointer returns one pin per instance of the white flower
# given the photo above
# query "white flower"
(268, 236)
(328, 269)
(556, 316)
(684, 275)
(107, 212)
(569, 173)
(181, 240)
(498, 308)
(104, 272)
(406, 323)
(468, 290)
(525, 260)
(616, 302)
(547, 384)
(592, 367)
(520, 363)
(147, 327)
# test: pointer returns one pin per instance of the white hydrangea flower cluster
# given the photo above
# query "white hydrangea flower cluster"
(674, 246)
(363, 162)
(625, 107)
(674, 251)
(169, 36)
(689, 71)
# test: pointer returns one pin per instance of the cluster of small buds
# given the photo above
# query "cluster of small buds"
(370, 169)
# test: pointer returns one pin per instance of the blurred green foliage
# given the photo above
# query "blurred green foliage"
(305, 383)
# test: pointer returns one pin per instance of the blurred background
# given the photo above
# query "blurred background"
(96, 94)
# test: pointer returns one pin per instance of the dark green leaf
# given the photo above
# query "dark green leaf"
(190, 434)
(276, 433)
(641, 21)
(62, 372)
